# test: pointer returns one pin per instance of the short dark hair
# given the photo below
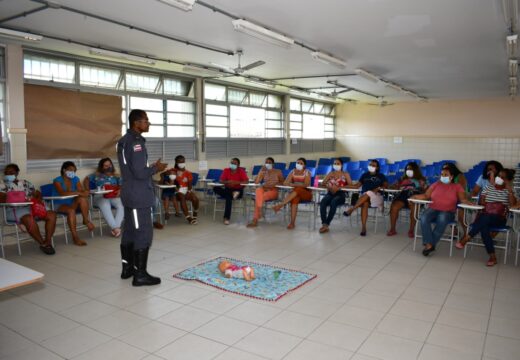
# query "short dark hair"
(237, 160)
(12, 166)
(378, 167)
(510, 174)
(102, 162)
(453, 169)
(67, 164)
(340, 160)
(270, 158)
(417, 173)
(302, 160)
(136, 115)
(496, 164)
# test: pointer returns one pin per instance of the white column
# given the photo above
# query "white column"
(15, 106)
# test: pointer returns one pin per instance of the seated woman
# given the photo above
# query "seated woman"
(185, 193)
(299, 178)
(23, 214)
(497, 198)
(444, 195)
(458, 178)
(268, 191)
(168, 178)
(231, 177)
(106, 177)
(489, 173)
(334, 181)
(371, 183)
(69, 184)
(411, 183)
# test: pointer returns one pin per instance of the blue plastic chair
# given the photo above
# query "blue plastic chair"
(292, 165)
(256, 169)
(325, 161)
(384, 169)
(356, 174)
(214, 174)
(311, 163)
(279, 166)
(312, 170)
(353, 165)
(323, 170)
(286, 172)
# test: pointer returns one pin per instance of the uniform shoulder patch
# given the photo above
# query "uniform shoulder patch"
(138, 147)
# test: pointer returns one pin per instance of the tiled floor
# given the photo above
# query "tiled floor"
(374, 298)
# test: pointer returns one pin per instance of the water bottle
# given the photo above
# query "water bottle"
(316, 182)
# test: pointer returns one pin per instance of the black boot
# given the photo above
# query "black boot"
(127, 260)
(141, 276)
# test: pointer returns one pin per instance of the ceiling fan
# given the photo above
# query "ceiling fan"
(240, 69)
(382, 103)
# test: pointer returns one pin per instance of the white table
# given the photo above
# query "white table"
(351, 190)
(516, 228)
(100, 192)
(419, 205)
(58, 197)
(164, 186)
(392, 191)
(13, 275)
(251, 185)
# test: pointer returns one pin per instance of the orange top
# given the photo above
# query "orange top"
(184, 178)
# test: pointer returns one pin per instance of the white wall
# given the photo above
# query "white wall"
(467, 131)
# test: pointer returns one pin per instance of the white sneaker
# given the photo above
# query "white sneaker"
(236, 194)
(226, 222)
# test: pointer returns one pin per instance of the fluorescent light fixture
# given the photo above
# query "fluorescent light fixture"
(513, 68)
(393, 86)
(299, 92)
(368, 76)
(19, 35)
(121, 56)
(328, 59)
(511, 44)
(261, 83)
(202, 70)
(186, 5)
(512, 91)
(510, 8)
(262, 33)
(513, 82)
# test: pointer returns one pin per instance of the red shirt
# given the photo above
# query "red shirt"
(184, 178)
(238, 175)
(444, 196)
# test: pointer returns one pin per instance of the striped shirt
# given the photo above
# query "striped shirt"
(496, 195)
(272, 178)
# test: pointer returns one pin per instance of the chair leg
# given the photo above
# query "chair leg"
(516, 253)
(18, 240)
(506, 247)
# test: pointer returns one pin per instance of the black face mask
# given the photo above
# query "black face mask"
(109, 170)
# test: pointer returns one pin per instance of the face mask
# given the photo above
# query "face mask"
(181, 165)
(109, 170)
(9, 178)
(268, 166)
(337, 167)
(445, 179)
(409, 173)
(70, 174)
(299, 167)
(499, 181)
(232, 166)
(371, 168)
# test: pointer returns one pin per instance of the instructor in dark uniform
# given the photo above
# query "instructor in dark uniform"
(137, 195)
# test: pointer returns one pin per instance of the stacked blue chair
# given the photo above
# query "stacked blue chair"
(353, 165)
(286, 172)
(356, 174)
(325, 161)
(256, 169)
(385, 169)
(280, 166)
(312, 170)
(292, 165)
(311, 163)
(323, 170)
(382, 161)
(363, 164)
(393, 168)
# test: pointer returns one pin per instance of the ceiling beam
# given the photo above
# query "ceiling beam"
(24, 14)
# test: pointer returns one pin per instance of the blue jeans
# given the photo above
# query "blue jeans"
(106, 205)
(332, 200)
(441, 220)
(482, 225)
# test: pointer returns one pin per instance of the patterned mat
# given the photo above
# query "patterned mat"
(271, 282)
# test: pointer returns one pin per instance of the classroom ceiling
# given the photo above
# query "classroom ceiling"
(440, 49)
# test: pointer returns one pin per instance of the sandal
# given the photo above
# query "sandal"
(47, 249)
(461, 243)
(363, 233)
(116, 232)
(391, 233)
(491, 262)
(324, 229)
(348, 212)
(277, 208)
(191, 220)
(290, 226)
(252, 224)
(79, 242)
(89, 226)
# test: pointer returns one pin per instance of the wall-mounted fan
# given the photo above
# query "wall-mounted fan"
(240, 69)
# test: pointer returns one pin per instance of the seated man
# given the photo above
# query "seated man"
(22, 215)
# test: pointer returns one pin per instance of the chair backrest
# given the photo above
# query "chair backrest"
(325, 161)
(286, 172)
(382, 161)
(280, 166)
(312, 171)
(46, 189)
(311, 163)
(384, 169)
(292, 165)
(256, 169)
(363, 164)
(393, 168)
(323, 170)
(353, 165)
(214, 174)
(356, 174)
(195, 178)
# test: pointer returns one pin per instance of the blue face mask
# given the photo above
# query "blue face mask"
(70, 174)
(445, 179)
(9, 178)
(232, 166)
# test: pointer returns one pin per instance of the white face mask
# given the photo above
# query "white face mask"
(336, 167)
(268, 166)
(371, 169)
(181, 165)
(70, 174)
(445, 179)
(499, 181)
(409, 173)
(299, 167)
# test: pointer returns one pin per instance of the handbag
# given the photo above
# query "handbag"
(38, 209)
(113, 193)
(15, 196)
(495, 208)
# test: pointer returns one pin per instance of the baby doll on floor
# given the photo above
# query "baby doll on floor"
(230, 270)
